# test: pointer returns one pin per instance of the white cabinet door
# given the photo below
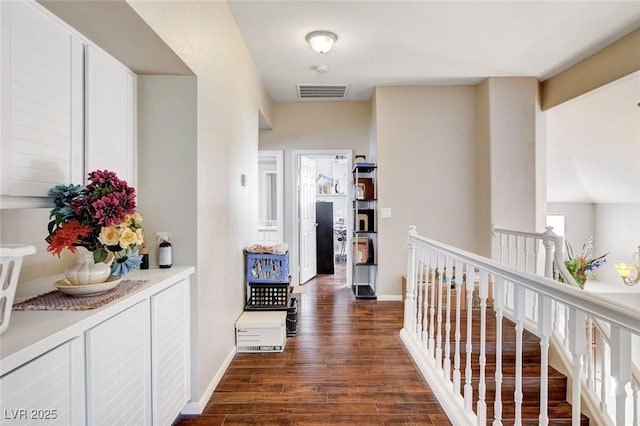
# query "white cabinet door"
(41, 94)
(170, 352)
(46, 390)
(118, 370)
(110, 114)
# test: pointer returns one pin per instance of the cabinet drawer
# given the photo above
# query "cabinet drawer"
(117, 354)
(41, 391)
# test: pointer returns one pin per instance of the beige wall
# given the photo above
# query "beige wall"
(609, 64)
(229, 95)
(512, 105)
(427, 168)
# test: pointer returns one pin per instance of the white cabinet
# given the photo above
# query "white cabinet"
(170, 352)
(118, 373)
(127, 362)
(45, 390)
(66, 107)
(41, 94)
(110, 103)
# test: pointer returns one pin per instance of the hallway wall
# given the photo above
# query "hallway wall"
(427, 167)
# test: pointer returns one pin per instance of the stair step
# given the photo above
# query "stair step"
(559, 413)
(559, 409)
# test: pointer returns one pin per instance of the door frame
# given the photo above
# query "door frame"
(294, 223)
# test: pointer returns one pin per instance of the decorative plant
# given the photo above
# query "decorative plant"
(101, 217)
(579, 266)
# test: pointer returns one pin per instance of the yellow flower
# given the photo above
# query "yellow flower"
(109, 235)
(128, 238)
(140, 235)
(132, 219)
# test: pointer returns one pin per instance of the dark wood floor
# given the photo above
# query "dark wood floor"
(346, 365)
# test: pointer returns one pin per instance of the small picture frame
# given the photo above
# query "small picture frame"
(360, 158)
(360, 191)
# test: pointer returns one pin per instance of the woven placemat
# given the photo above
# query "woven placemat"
(58, 301)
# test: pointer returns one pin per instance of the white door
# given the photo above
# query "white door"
(307, 214)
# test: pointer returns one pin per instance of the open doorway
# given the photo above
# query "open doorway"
(321, 207)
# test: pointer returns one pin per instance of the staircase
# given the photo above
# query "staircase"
(559, 408)
(506, 362)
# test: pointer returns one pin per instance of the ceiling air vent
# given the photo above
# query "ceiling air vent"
(314, 91)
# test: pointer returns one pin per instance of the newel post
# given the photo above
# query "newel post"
(549, 241)
(409, 301)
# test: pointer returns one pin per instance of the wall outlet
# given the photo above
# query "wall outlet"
(385, 212)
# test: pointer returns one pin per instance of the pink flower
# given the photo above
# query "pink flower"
(108, 210)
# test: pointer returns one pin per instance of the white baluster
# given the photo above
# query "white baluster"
(447, 325)
(589, 363)
(433, 273)
(468, 389)
(409, 302)
(420, 266)
(620, 368)
(565, 324)
(636, 403)
(545, 309)
(456, 357)
(499, 294)
(441, 278)
(577, 346)
(604, 373)
(519, 306)
(482, 387)
(425, 299)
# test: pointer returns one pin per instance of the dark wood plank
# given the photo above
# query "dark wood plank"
(346, 365)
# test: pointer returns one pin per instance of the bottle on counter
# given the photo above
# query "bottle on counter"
(145, 257)
(165, 254)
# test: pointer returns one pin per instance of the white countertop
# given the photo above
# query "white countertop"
(618, 291)
(31, 333)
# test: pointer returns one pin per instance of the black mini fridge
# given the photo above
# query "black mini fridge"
(324, 237)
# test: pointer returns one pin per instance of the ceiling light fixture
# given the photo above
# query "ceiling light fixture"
(321, 41)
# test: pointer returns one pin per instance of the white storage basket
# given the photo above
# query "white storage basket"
(10, 263)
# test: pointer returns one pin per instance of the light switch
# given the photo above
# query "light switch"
(244, 179)
(385, 212)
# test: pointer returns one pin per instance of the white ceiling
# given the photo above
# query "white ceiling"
(593, 141)
(424, 42)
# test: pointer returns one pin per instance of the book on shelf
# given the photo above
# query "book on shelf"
(361, 251)
(364, 189)
(365, 164)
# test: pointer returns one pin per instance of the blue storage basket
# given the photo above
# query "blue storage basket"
(267, 268)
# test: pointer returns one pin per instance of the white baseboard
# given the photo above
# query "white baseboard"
(197, 407)
(390, 298)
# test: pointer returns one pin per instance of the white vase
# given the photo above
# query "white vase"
(85, 271)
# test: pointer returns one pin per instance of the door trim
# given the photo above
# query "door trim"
(294, 223)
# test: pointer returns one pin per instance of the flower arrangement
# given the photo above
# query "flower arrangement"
(579, 266)
(101, 217)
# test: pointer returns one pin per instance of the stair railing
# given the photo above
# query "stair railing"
(440, 278)
(594, 384)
